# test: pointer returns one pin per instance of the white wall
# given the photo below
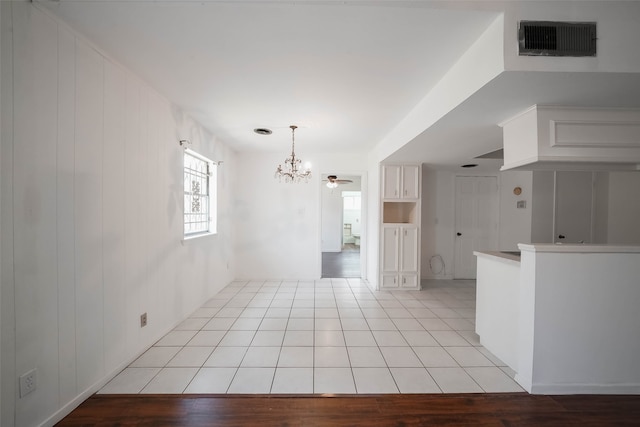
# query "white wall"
(601, 207)
(618, 33)
(371, 200)
(481, 63)
(542, 207)
(331, 219)
(438, 223)
(515, 223)
(92, 217)
(438, 217)
(624, 208)
(279, 234)
(572, 327)
(5, 129)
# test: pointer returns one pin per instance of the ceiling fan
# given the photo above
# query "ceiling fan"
(333, 181)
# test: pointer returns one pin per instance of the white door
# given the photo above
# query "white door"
(574, 207)
(476, 225)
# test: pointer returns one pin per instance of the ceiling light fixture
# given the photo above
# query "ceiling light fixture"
(263, 131)
(333, 181)
(291, 171)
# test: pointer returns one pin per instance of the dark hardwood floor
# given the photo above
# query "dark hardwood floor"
(342, 264)
(506, 410)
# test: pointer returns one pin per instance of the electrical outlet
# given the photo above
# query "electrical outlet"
(143, 320)
(27, 383)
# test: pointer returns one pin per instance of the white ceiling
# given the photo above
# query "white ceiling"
(345, 72)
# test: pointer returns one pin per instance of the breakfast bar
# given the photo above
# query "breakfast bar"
(564, 317)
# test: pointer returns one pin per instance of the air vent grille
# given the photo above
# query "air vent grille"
(544, 38)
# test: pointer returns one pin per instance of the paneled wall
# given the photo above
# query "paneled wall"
(91, 217)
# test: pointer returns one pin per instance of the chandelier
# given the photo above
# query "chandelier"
(292, 171)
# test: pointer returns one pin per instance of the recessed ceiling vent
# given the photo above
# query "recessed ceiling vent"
(546, 38)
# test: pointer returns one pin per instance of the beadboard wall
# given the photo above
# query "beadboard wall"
(91, 216)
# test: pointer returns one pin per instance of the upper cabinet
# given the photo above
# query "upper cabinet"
(572, 139)
(401, 182)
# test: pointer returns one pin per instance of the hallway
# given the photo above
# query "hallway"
(345, 264)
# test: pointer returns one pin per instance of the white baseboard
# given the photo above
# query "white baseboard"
(74, 403)
(561, 389)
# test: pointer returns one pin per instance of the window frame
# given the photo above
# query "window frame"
(211, 180)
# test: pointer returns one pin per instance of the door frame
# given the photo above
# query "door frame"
(364, 197)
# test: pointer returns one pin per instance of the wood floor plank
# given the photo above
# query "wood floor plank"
(485, 410)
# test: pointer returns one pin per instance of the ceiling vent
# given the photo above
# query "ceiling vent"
(545, 38)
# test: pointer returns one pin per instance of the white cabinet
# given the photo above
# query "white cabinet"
(572, 139)
(409, 252)
(400, 227)
(399, 258)
(400, 182)
(390, 249)
(391, 181)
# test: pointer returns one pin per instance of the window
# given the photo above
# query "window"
(351, 199)
(200, 195)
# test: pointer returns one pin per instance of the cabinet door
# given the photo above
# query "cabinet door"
(390, 249)
(410, 183)
(389, 281)
(409, 280)
(409, 254)
(391, 182)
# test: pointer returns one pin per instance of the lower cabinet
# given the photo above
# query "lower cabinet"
(399, 280)
(399, 257)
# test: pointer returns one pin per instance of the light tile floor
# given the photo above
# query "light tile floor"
(325, 336)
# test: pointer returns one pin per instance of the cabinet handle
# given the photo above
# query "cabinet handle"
(394, 280)
(405, 232)
(406, 192)
(404, 280)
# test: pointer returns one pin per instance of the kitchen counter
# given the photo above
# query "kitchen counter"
(569, 310)
(504, 255)
(497, 290)
(578, 248)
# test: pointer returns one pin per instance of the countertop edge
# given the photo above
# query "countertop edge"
(577, 248)
(500, 255)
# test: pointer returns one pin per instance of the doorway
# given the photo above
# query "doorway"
(476, 221)
(341, 226)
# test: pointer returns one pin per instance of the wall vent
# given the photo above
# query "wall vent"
(545, 38)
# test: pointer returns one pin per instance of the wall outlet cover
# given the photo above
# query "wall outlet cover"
(28, 382)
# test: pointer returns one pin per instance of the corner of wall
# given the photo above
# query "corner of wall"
(7, 287)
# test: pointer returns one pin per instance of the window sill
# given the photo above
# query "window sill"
(197, 236)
